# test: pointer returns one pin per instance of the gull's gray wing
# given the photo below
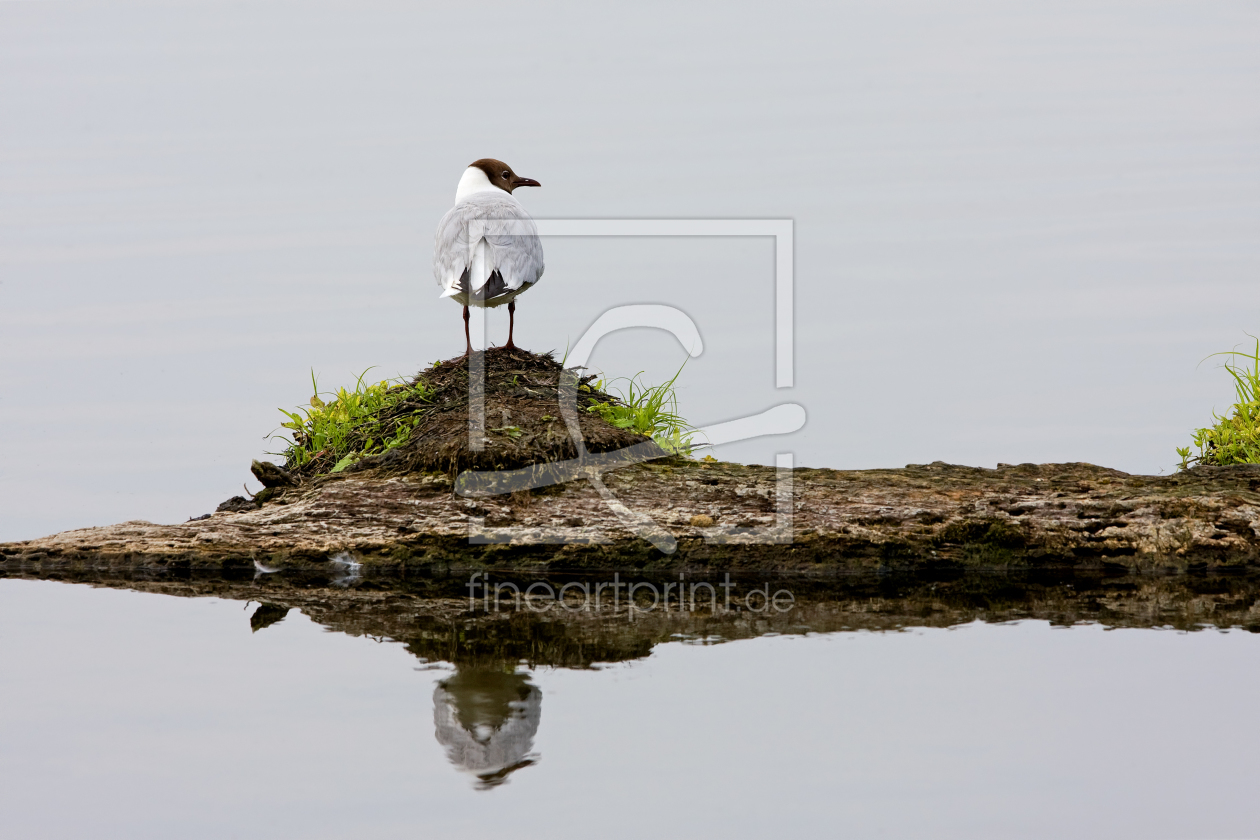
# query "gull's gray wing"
(508, 244)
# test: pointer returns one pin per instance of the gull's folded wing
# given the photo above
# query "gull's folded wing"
(508, 243)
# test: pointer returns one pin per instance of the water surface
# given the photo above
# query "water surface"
(138, 714)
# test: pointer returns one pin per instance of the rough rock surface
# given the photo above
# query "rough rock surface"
(1050, 515)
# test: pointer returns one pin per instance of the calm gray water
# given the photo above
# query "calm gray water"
(139, 715)
(1019, 225)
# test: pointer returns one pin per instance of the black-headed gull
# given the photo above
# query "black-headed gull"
(487, 250)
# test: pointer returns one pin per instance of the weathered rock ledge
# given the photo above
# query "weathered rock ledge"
(1049, 515)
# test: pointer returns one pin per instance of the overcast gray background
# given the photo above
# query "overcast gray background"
(1020, 226)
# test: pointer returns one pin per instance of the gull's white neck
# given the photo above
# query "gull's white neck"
(474, 181)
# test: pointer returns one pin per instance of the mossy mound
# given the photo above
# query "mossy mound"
(523, 425)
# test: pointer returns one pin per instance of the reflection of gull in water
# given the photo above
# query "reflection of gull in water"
(487, 720)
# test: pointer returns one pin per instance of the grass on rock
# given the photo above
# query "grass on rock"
(371, 418)
(1235, 438)
(422, 424)
(650, 410)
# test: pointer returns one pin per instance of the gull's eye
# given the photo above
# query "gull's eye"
(506, 174)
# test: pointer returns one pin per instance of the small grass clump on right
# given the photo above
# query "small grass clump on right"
(649, 410)
(1235, 439)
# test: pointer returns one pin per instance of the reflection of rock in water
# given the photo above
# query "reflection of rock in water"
(266, 615)
(487, 720)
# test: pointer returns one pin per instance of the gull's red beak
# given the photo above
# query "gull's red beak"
(524, 182)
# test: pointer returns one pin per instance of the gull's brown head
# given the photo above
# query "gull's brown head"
(502, 176)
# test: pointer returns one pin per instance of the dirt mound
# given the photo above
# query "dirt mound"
(522, 423)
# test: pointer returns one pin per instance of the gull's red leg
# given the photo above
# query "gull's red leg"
(467, 339)
(511, 323)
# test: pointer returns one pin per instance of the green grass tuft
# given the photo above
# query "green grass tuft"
(354, 423)
(339, 429)
(1235, 439)
(650, 410)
